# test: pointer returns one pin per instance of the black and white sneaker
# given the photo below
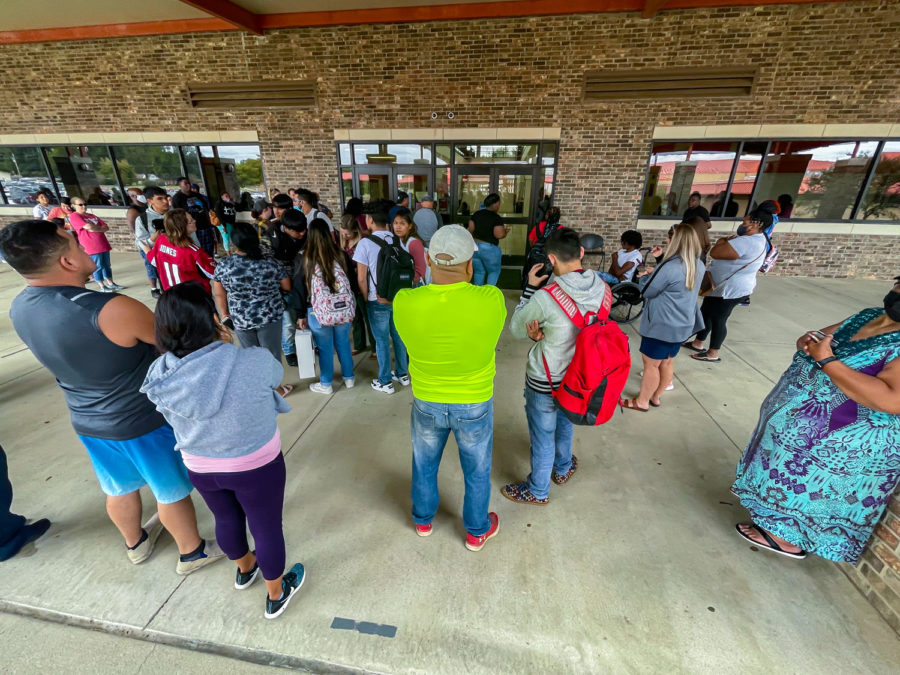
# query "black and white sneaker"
(290, 584)
(244, 580)
(402, 379)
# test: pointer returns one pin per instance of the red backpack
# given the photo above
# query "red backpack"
(595, 379)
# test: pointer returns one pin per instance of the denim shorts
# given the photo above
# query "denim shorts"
(125, 466)
(659, 350)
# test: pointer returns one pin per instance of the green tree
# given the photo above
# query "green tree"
(249, 172)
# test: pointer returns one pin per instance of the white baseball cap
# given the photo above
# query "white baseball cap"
(454, 243)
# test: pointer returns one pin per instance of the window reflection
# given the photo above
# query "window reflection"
(496, 154)
(86, 172)
(821, 178)
(678, 170)
(23, 175)
(882, 198)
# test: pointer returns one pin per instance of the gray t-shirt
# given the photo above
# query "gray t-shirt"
(737, 278)
(427, 223)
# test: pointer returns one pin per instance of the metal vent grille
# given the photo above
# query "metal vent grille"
(668, 83)
(260, 94)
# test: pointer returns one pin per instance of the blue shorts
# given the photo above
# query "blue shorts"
(659, 350)
(125, 466)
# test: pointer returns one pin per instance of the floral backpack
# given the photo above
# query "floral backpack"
(332, 309)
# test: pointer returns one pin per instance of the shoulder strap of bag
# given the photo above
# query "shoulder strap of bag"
(655, 272)
(567, 305)
(761, 255)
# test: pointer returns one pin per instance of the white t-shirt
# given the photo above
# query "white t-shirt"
(367, 253)
(624, 257)
(730, 279)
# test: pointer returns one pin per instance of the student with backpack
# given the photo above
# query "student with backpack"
(331, 306)
(552, 317)
(384, 268)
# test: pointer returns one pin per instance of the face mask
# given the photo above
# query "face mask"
(142, 199)
(892, 306)
(742, 230)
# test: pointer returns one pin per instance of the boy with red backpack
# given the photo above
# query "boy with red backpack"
(557, 317)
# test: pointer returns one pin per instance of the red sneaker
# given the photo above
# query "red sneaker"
(474, 543)
(423, 530)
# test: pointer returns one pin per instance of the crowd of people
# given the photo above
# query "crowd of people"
(818, 472)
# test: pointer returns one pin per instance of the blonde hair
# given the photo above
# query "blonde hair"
(686, 245)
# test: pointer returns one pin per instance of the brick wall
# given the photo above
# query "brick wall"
(878, 573)
(818, 63)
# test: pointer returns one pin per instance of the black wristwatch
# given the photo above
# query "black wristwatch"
(824, 362)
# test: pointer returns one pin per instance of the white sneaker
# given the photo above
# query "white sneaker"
(403, 379)
(153, 528)
(211, 553)
(670, 387)
(349, 382)
(383, 388)
(320, 388)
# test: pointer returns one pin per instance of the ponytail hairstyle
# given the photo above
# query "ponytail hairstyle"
(321, 254)
(176, 226)
(245, 239)
(686, 245)
(553, 215)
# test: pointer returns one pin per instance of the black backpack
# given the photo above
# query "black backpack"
(538, 253)
(396, 269)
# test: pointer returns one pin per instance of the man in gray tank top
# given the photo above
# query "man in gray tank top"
(99, 347)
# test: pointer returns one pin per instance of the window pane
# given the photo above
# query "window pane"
(86, 172)
(744, 179)
(141, 165)
(548, 158)
(496, 154)
(23, 175)
(207, 151)
(546, 199)
(415, 184)
(822, 178)
(192, 163)
(374, 186)
(679, 169)
(882, 199)
(344, 151)
(347, 183)
(442, 190)
(470, 192)
(391, 153)
(442, 153)
(237, 170)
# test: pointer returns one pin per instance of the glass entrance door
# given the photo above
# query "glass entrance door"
(414, 181)
(374, 183)
(515, 185)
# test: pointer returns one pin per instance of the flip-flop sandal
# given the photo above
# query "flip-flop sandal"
(655, 405)
(704, 356)
(688, 345)
(631, 404)
(772, 545)
(285, 389)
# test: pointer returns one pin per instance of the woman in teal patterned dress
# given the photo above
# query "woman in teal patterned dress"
(825, 457)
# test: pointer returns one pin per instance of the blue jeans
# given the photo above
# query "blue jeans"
(472, 425)
(486, 264)
(104, 269)
(151, 270)
(611, 279)
(381, 320)
(328, 339)
(288, 329)
(550, 433)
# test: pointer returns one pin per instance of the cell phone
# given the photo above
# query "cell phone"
(818, 336)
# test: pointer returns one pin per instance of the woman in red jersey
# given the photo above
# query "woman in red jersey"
(176, 257)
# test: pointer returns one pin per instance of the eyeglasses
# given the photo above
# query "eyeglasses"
(78, 204)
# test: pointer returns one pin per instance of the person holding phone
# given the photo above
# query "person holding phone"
(824, 459)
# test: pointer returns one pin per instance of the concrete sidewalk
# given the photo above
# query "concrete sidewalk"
(634, 566)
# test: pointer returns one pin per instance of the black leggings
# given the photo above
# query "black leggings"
(715, 313)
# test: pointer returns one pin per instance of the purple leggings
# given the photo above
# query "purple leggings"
(248, 497)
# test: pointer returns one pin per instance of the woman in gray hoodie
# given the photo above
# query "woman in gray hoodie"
(207, 388)
(671, 314)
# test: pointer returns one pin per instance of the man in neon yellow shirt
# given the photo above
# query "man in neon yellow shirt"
(451, 329)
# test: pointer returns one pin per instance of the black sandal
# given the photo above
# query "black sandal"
(772, 545)
(688, 345)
